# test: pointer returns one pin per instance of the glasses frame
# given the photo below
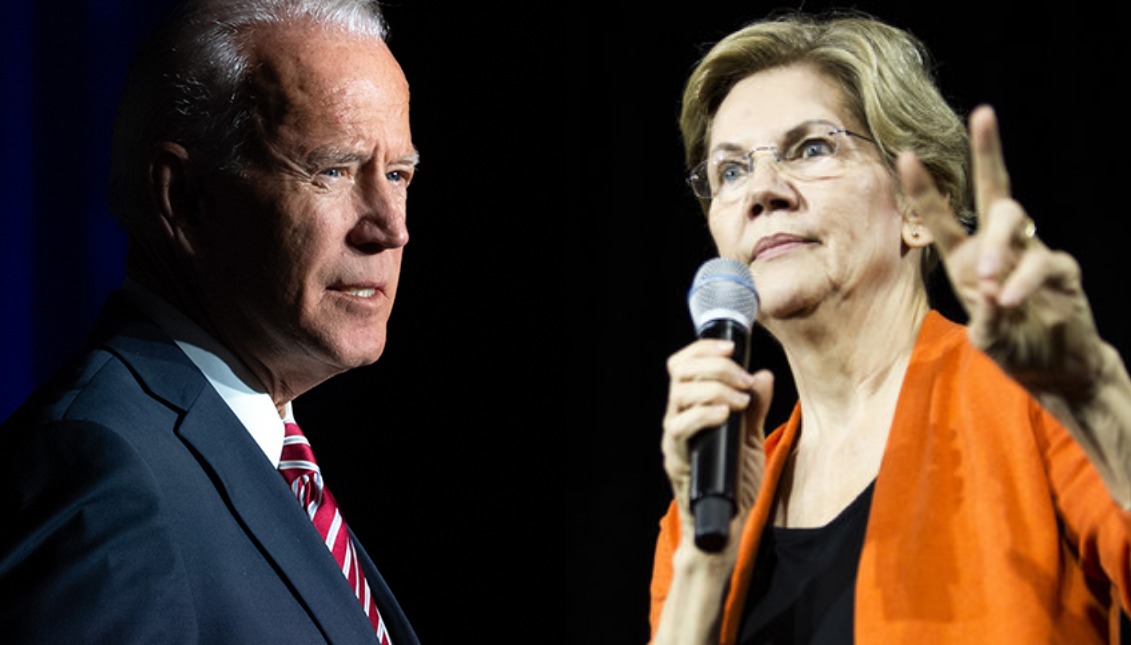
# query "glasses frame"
(698, 178)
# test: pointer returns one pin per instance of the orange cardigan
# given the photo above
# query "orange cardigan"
(988, 522)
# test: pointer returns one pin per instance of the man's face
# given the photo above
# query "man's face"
(301, 251)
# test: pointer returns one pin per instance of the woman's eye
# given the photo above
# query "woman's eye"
(730, 171)
(813, 147)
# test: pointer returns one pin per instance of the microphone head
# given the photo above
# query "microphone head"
(723, 289)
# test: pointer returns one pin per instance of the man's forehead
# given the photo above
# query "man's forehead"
(316, 59)
(340, 78)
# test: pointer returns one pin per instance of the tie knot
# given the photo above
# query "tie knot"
(297, 457)
(291, 429)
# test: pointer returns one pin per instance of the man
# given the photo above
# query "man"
(260, 166)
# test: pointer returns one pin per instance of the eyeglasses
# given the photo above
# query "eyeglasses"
(807, 152)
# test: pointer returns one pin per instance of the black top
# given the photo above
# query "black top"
(803, 586)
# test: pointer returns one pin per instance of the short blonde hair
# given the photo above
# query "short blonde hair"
(885, 77)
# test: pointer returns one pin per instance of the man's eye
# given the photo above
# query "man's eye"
(333, 173)
(399, 176)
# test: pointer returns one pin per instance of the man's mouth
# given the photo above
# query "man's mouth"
(366, 292)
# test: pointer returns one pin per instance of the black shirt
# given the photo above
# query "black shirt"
(803, 585)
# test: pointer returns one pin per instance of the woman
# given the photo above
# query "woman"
(917, 493)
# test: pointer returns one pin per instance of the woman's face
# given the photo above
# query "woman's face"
(808, 241)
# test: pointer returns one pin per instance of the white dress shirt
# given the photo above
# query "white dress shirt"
(232, 379)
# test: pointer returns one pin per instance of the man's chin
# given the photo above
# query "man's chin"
(360, 354)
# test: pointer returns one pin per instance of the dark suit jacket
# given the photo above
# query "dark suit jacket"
(138, 509)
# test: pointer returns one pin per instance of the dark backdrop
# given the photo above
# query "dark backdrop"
(501, 461)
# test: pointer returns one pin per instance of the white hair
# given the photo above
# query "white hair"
(189, 85)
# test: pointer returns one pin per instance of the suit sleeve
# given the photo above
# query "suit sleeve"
(84, 554)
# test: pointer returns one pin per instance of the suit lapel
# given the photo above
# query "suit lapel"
(259, 498)
(254, 492)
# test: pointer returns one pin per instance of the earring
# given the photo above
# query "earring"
(915, 234)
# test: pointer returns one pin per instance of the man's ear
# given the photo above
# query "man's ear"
(175, 187)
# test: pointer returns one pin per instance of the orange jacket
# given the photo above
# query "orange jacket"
(988, 522)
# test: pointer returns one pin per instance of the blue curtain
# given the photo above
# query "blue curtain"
(61, 65)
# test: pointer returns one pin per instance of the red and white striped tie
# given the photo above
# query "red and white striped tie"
(301, 471)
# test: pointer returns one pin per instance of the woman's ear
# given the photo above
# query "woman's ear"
(916, 234)
(174, 187)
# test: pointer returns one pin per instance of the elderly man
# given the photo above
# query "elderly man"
(260, 166)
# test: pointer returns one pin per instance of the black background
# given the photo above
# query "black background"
(514, 480)
(501, 461)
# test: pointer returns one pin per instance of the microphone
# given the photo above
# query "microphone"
(723, 304)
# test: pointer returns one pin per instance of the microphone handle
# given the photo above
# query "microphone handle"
(714, 455)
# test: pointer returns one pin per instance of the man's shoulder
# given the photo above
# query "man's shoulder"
(129, 378)
(97, 381)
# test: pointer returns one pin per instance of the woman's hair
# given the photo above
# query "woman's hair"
(189, 85)
(884, 74)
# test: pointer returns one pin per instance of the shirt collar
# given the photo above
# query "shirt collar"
(232, 380)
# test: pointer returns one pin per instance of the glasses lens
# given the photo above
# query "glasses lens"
(807, 153)
(812, 153)
(700, 184)
(721, 175)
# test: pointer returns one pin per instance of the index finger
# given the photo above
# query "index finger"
(991, 179)
(929, 204)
